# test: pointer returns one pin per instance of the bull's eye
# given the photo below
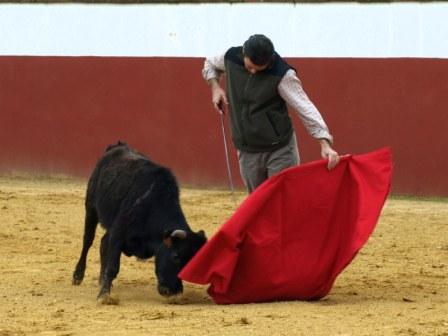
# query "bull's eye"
(175, 257)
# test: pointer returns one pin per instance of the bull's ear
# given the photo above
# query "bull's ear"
(167, 241)
(202, 233)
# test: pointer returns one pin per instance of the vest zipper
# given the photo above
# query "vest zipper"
(246, 108)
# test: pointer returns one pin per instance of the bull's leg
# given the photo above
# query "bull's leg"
(103, 256)
(90, 224)
(112, 262)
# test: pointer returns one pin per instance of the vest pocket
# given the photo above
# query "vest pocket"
(280, 122)
(260, 131)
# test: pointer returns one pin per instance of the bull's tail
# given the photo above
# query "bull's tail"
(90, 224)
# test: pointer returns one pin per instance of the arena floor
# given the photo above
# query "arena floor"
(397, 285)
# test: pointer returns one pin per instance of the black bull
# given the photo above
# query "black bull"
(137, 203)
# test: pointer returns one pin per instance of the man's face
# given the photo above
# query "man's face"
(253, 68)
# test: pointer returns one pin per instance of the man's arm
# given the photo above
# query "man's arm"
(291, 90)
(212, 71)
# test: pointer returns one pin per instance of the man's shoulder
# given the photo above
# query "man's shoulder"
(235, 55)
(279, 66)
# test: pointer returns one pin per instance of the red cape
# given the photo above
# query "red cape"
(295, 233)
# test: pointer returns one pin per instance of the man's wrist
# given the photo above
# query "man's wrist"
(213, 82)
(324, 142)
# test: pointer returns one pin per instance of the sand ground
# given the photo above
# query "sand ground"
(397, 285)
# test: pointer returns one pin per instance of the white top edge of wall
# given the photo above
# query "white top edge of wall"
(197, 30)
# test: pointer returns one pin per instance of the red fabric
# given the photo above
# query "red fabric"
(291, 238)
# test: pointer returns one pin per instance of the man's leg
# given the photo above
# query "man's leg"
(282, 158)
(253, 169)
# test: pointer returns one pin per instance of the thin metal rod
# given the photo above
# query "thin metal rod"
(229, 172)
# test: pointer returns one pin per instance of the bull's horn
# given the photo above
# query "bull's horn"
(181, 234)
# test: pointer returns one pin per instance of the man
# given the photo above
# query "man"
(260, 84)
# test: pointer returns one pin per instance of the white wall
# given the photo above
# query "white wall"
(301, 30)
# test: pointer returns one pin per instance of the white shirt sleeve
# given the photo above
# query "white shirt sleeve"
(291, 90)
(213, 67)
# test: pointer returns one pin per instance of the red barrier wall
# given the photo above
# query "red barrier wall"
(57, 114)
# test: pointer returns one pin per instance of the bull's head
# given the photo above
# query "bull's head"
(178, 247)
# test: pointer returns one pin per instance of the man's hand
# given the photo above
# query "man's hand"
(218, 95)
(328, 153)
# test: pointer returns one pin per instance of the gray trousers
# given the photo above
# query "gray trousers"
(255, 168)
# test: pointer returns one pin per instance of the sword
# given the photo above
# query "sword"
(226, 151)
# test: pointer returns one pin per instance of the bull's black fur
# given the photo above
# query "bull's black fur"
(137, 203)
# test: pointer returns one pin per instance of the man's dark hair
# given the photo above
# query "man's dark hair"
(259, 49)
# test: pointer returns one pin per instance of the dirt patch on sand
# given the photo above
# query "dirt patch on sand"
(397, 285)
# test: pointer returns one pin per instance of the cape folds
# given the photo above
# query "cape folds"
(291, 238)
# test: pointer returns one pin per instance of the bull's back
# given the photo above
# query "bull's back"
(120, 177)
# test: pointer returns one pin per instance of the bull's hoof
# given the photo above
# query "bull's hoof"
(78, 276)
(107, 299)
(166, 292)
(76, 281)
